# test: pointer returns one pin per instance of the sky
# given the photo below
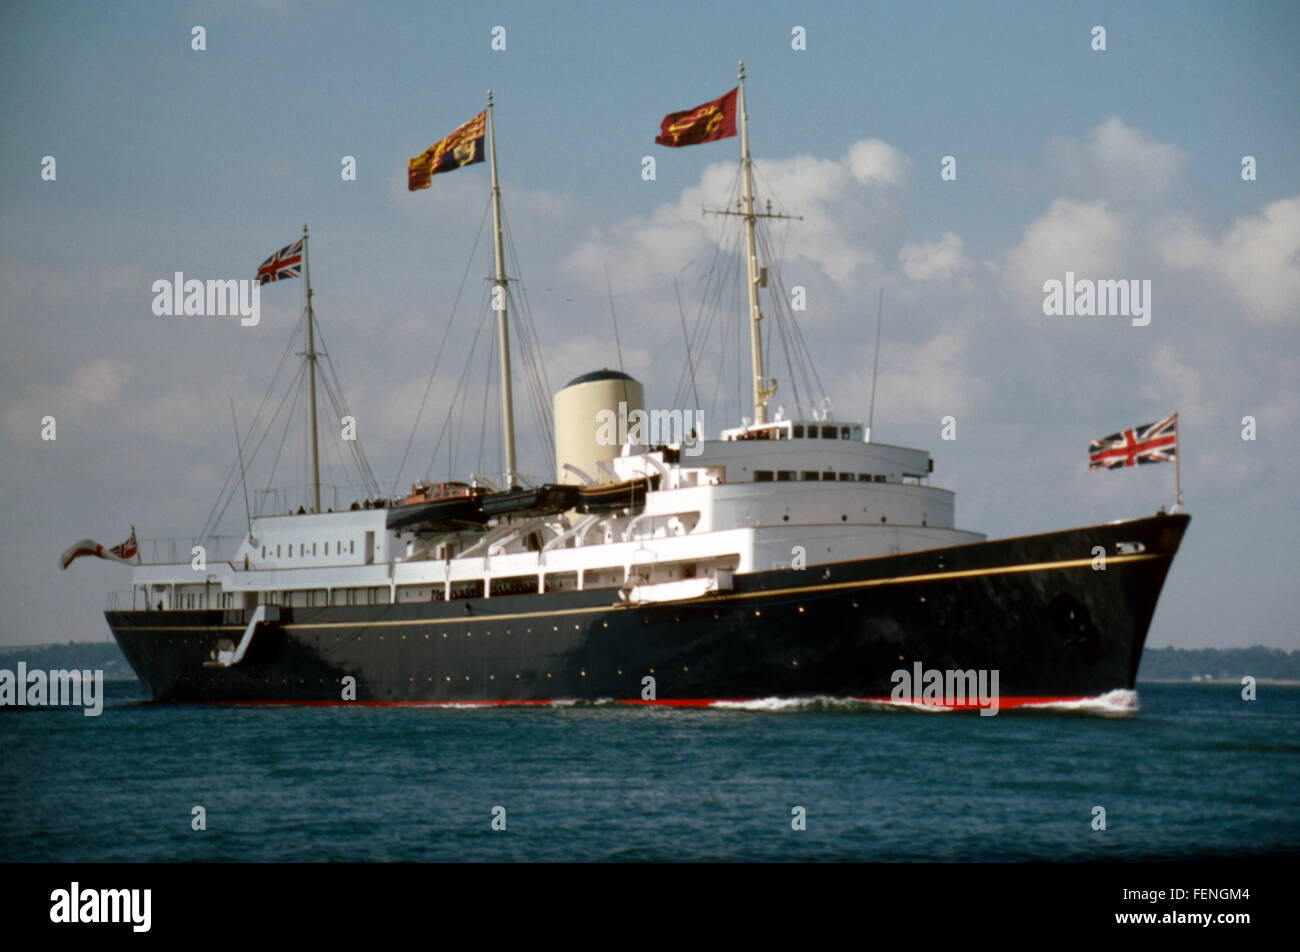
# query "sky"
(1122, 163)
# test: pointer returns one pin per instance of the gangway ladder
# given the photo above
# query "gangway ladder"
(228, 654)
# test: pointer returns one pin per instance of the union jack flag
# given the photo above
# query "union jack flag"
(1149, 443)
(285, 263)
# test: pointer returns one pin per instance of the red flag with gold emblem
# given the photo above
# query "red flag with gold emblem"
(708, 123)
(463, 147)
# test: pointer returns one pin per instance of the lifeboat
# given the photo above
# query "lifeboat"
(538, 500)
(607, 497)
(432, 506)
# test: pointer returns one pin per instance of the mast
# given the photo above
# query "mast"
(761, 391)
(763, 388)
(499, 301)
(311, 375)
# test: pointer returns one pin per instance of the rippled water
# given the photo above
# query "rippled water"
(1194, 771)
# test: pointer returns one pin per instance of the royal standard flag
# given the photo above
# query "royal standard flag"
(708, 123)
(462, 147)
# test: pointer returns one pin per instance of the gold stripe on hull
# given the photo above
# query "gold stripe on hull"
(708, 599)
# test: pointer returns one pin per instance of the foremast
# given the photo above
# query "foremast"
(311, 374)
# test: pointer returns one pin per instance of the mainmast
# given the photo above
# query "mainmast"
(762, 391)
(757, 276)
(311, 375)
(499, 298)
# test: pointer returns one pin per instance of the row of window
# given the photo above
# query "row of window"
(811, 432)
(302, 549)
(800, 431)
(808, 475)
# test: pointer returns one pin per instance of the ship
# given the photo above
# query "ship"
(788, 556)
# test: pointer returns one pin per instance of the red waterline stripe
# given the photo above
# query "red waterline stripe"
(1003, 703)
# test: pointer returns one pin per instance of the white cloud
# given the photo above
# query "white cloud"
(77, 400)
(1118, 160)
(934, 260)
(1084, 237)
(1258, 259)
(852, 210)
(876, 162)
(918, 383)
(1172, 384)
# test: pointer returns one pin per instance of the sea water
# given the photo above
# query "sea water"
(1178, 771)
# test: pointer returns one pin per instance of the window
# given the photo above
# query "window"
(811, 476)
(561, 581)
(785, 476)
(828, 433)
(880, 478)
(762, 475)
(352, 546)
(263, 551)
(864, 477)
(277, 551)
(857, 433)
(608, 577)
(798, 431)
(847, 477)
(471, 589)
(516, 585)
(844, 433)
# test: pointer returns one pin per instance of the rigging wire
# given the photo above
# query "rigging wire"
(446, 425)
(446, 334)
(219, 507)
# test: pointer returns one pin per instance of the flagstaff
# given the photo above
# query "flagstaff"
(1178, 469)
(499, 302)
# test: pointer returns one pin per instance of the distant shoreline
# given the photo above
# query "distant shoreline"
(1285, 682)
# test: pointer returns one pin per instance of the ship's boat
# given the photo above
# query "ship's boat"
(607, 497)
(438, 506)
(537, 500)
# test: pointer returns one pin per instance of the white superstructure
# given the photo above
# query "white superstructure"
(767, 496)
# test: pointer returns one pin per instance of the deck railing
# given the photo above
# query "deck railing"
(177, 550)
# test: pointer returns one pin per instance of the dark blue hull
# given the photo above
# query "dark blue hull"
(1033, 608)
